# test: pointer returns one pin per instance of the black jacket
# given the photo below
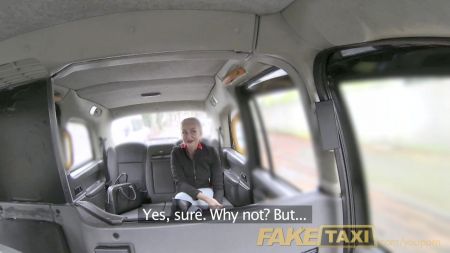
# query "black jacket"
(203, 171)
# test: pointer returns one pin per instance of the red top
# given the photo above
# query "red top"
(184, 146)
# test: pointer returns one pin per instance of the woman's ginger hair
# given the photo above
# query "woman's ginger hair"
(192, 120)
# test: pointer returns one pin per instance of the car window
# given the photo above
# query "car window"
(290, 153)
(155, 127)
(261, 138)
(78, 144)
(402, 131)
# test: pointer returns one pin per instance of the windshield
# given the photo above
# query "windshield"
(156, 127)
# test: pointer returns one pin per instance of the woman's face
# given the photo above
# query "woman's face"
(191, 134)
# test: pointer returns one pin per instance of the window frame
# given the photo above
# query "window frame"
(351, 174)
(266, 146)
(255, 116)
(348, 159)
(261, 136)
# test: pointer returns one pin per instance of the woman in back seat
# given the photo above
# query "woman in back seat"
(196, 171)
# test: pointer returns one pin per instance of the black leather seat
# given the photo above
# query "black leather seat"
(129, 158)
(160, 186)
(159, 182)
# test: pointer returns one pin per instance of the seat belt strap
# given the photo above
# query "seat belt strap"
(105, 161)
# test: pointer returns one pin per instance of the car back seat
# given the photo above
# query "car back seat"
(160, 184)
(159, 181)
(129, 158)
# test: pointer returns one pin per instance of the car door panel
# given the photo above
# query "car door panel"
(236, 180)
(88, 184)
(267, 186)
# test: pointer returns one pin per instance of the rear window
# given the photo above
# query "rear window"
(156, 127)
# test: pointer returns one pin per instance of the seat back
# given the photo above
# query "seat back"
(129, 158)
(160, 184)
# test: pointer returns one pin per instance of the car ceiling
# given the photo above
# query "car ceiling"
(18, 17)
(124, 84)
(292, 31)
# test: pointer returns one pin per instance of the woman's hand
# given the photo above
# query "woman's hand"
(212, 202)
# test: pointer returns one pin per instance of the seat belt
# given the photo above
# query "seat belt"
(220, 137)
(105, 162)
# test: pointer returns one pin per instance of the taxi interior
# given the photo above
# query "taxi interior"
(83, 73)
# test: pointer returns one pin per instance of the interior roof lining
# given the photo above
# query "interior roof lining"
(142, 72)
(157, 107)
(145, 58)
(137, 86)
(14, 22)
(122, 84)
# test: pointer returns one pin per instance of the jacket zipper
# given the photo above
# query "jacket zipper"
(195, 172)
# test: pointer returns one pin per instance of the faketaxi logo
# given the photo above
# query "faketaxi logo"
(328, 235)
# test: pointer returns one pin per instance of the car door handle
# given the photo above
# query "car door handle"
(244, 177)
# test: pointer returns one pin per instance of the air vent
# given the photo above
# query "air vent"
(151, 94)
